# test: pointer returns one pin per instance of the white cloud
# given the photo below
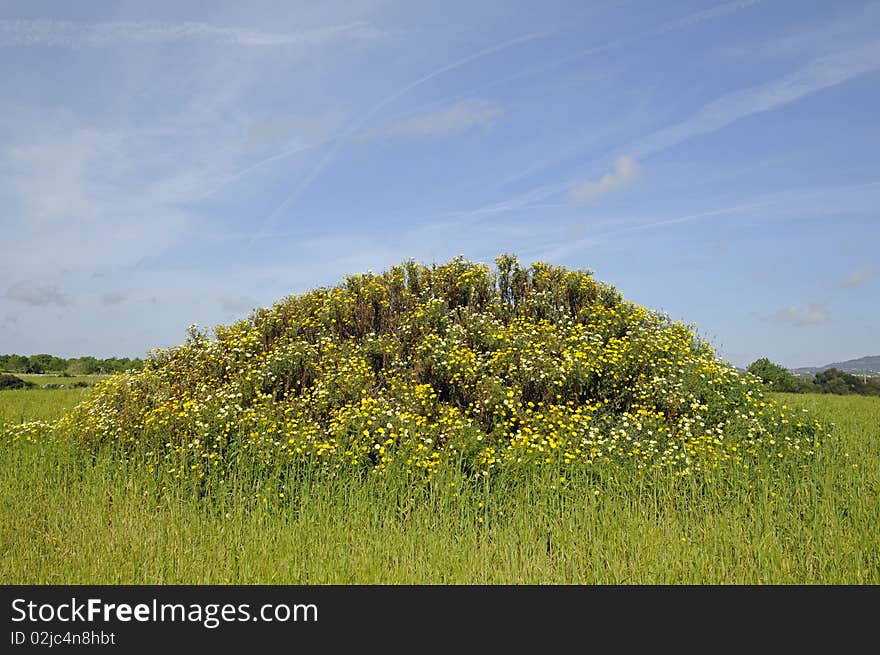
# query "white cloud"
(812, 314)
(49, 176)
(626, 169)
(854, 279)
(37, 295)
(455, 119)
(819, 74)
(122, 185)
(358, 124)
(67, 34)
(77, 197)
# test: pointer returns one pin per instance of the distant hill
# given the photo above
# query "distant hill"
(869, 365)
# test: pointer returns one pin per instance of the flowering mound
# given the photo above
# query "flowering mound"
(422, 368)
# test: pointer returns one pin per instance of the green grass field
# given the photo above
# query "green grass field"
(42, 380)
(66, 518)
(18, 406)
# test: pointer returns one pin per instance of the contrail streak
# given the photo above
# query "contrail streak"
(358, 124)
(69, 34)
(328, 157)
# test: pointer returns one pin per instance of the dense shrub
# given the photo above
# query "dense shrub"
(422, 368)
(13, 382)
(773, 375)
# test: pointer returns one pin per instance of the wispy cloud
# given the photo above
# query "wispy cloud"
(545, 70)
(799, 201)
(850, 26)
(454, 119)
(358, 124)
(813, 313)
(113, 298)
(67, 34)
(675, 25)
(855, 279)
(626, 169)
(555, 250)
(82, 188)
(305, 128)
(37, 295)
(819, 74)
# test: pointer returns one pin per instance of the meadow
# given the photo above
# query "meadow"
(448, 423)
(75, 516)
(18, 406)
(43, 379)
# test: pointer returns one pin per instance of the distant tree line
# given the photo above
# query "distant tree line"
(75, 366)
(830, 380)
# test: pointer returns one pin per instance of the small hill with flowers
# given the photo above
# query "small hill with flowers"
(423, 368)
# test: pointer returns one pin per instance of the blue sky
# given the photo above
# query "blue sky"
(169, 163)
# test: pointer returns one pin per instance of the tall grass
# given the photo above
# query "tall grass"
(69, 517)
(20, 405)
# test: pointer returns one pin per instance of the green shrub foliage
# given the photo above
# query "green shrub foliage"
(423, 368)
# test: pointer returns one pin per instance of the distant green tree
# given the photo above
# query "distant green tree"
(84, 365)
(17, 364)
(806, 385)
(773, 375)
(833, 380)
(44, 363)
